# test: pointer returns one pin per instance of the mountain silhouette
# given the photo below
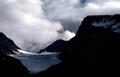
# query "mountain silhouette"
(95, 48)
(56, 46)
(7, 45)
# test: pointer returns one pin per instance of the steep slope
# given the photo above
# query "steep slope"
(57, 46)
(95, 48)
(7, 45)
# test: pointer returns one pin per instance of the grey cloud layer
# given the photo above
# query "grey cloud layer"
(24, 21)
(73, 11)
(34, 24)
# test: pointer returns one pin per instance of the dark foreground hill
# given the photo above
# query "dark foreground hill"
(11, 67)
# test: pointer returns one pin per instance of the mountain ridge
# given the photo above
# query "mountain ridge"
(56, 46)
(7, 45)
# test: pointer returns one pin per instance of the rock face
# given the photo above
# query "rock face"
(57, 46)
(95, 48)
(7, 45)
(11, 67)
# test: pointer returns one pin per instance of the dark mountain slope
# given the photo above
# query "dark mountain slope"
(7, 45)
(57, 46)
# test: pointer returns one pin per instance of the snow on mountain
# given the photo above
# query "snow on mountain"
(104, 23)
(25, 52)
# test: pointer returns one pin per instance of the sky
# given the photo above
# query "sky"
(35, 24)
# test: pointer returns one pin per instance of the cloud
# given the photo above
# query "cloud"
(24, 22)
(67, 35)
(73, 11)
(34, 24)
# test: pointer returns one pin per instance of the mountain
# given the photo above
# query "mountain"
(57, 46)
(95, 32)
(10, 66)
(103, 23)
(7, 45)
(95, 48)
